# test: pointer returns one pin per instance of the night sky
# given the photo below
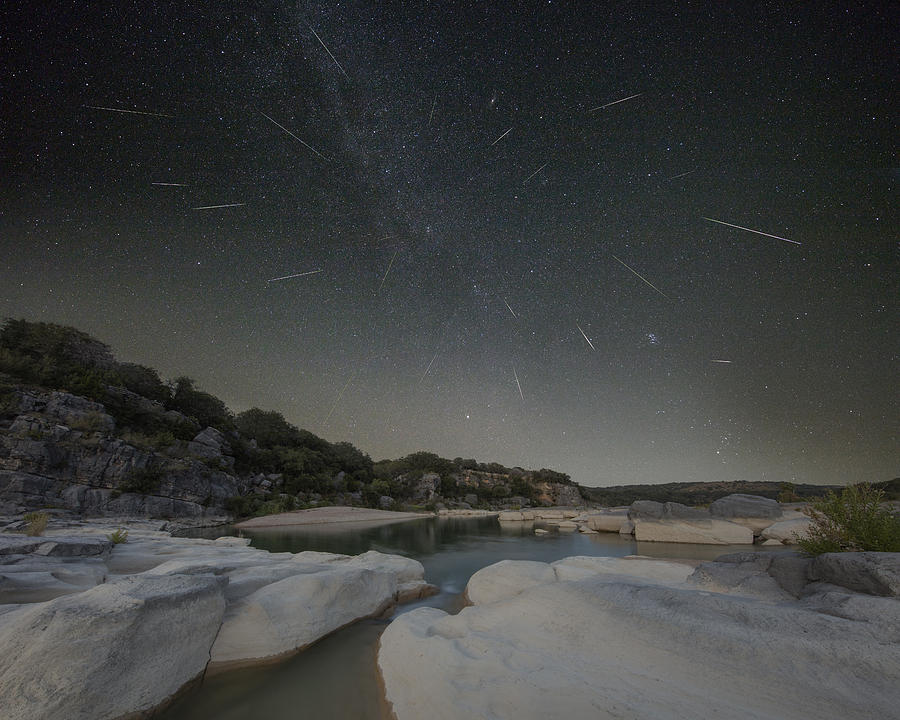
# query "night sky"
(504, 262)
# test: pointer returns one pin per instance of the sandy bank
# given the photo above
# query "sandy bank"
(337, 514)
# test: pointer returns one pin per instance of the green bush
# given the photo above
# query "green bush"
(118, 537)
(142, 480)
(36, 523)
(853, 521)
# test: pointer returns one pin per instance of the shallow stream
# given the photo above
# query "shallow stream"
(336, 678)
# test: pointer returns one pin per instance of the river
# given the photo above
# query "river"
(336, 677)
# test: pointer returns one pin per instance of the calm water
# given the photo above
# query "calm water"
(336, 678)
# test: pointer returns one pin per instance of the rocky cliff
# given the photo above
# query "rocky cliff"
(59, 450)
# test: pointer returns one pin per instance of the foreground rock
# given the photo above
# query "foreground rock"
(636, 640)
(132, 623)
(109, 651)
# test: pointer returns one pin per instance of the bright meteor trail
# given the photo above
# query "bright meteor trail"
(585, 337)
(288, 277)
(758, 232)
(642, 278)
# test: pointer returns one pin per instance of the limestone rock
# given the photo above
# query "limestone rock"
(702, 531)
(787, 531)
(505, 579)
(109, 651)
(739, 505)
(287, 615)
(610, 521)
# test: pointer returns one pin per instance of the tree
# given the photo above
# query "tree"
(267, 427)
(206, 409)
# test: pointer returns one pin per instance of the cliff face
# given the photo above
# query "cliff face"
(57, 450)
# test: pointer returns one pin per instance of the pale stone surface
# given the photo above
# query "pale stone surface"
(634, 567)
(607, 521)
(505, 579)
(787, 531)
(627, 528)
(607, 646)
(701, 531)
(108, 651)
(869, 572)
(290, 614)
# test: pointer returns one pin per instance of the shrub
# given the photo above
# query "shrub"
(853, 521)
(36, 523)
(142, 480)
(118, 537)
(92, 422)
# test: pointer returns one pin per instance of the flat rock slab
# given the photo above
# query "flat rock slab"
(55, 545)
(336, 514)
(608, 647)
(700, 531)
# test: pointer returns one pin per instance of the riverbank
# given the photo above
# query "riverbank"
(330, 514)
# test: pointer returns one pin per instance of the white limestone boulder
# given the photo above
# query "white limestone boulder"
(700, 531)
(109, 651)
(610, 521)
(285, 616)
(506, 579)
(787, 531)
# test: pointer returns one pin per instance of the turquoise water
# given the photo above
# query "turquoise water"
(336, 678)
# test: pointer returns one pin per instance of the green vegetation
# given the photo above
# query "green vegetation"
(701, 493)
(853, 521)
(142, 480)
(36, 523)
(118, 537)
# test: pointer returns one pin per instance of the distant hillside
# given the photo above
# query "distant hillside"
(82, 431)
(701, 493)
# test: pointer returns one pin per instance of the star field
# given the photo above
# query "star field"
(497, 217)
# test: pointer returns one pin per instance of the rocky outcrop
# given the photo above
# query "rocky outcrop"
(58, 453)
(634, 643)
(133, 624)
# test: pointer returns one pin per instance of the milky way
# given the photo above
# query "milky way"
(451, 202)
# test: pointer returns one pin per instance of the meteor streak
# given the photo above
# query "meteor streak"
(615, 102)
(296, 275)
(170, 184)
(305, 144)
(758, 232)
(214, 207)
(585, 337)
(130, 112)
(518, 384)
(390, 264)
(338, 399)
(509, 308)
(500, 138)
(643, 278)
(329, 52)
(428, 368)
(534, 173)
